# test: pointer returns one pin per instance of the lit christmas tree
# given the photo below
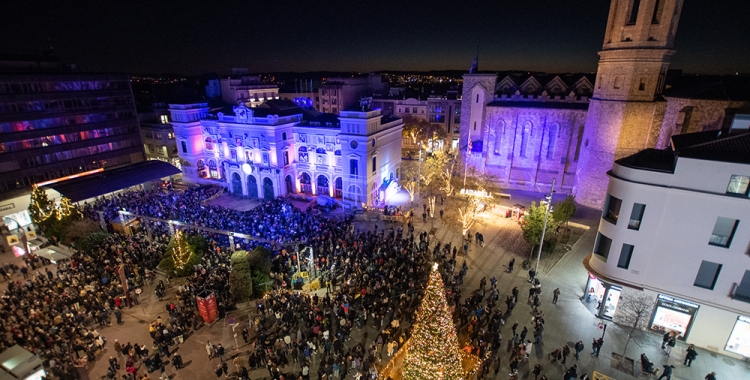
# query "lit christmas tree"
(40, 207)
(180, 250)
(432, 351)
(68, 210)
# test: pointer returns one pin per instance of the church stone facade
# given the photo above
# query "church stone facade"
(528, 129)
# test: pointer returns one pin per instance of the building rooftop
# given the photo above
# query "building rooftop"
(710, 146)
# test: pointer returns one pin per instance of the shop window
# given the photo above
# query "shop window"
(612, 209)
(625, 254)
(636, 215)
(707, 275)
(602, 246)
(739, 340)
(738, 185)
(723, 232)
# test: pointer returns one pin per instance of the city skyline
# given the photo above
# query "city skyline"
(416, 36)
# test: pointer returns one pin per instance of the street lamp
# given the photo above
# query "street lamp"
(419, 169)
(544, 228)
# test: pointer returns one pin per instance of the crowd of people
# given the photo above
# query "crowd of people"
(374, 279)
(57, 314)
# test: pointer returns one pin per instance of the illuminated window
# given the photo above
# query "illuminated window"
(164, 119)
(611, 209)
(738, 185)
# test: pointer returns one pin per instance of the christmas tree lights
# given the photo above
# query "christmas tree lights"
(40, 207)
(65, 209)
(180, 250)
(433, 351)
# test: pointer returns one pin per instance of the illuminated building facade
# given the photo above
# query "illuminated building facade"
(247, 89)
(54, 124)
(279, 148)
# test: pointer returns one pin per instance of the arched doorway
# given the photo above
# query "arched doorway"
(252, 186)
(337, 186)
(322, 185)
(267, 189)
(305, 183)
(375, 194)
(236, 184)
(289, 185)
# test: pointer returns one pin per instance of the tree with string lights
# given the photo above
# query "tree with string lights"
(180, 251)
(433, 351)
(41, 208)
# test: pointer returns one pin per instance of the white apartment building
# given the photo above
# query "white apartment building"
(683, 239)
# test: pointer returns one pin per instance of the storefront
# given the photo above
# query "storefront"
(739, 340)
(673, 314)
(602, 297)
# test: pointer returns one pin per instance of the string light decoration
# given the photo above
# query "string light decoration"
(40, 207)
(180, 250)
(66, 209)
(433, 351)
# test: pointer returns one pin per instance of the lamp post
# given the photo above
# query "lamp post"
(419, 170)
(544, 228)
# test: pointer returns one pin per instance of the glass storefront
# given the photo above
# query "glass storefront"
(673, 314)
(601, 297)
(739, 341)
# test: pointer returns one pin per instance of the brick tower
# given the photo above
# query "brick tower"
(625, 112)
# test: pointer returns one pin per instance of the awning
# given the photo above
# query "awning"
(54, 253)
(19, 362)
(109, 181)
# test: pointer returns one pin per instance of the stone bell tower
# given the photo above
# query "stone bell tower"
(625, 112)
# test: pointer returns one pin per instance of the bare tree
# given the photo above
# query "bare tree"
(633, 312)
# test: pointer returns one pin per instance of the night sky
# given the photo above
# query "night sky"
(280, 35)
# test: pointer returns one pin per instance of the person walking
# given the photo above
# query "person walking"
(665, 339)
(532, 274)
(537, 371)
(441, 214)
(218, 371)
(555, 294)
(710, 376)
(510, 265)
(670, 344)
(667, 372)
(118, 315)
(220, 352)
(210, 350)
(578, 347)
(565, 353)
(690, 355)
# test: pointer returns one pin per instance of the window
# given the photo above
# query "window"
(707, 275)
(374, 164)
(184, 146)
(283, 136)
(658, 8)
(209, 144)
(738, 185)
(602, 245)
(475, 125)
(414, 110)
(636, 216)
(354, 167)
(634, 12)
(498, 136)
(477, 98)
(286, 158)
(625, 254)
(611, 209)
(524, 139)
(552, 141)
(723, 232)
(742, 291)
(164, 119)
(642, 85)
(616, 84)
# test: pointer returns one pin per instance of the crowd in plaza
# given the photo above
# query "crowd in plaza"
(57, 314)
(373, 279)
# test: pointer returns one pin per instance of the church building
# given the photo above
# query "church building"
(527, 130)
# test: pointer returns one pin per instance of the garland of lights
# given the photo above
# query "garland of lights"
(180, 251)
(40, 207)
(433, 350)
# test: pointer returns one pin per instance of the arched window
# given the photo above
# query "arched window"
(209, 143)
(374, 163)
(212, 164)
(525, 131)
(212, 169)
(551, 141)
(499, 129)
(200, 165)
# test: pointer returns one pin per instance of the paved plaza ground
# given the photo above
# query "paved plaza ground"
(566, 322)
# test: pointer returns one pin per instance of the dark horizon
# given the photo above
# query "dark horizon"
(196, 38)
